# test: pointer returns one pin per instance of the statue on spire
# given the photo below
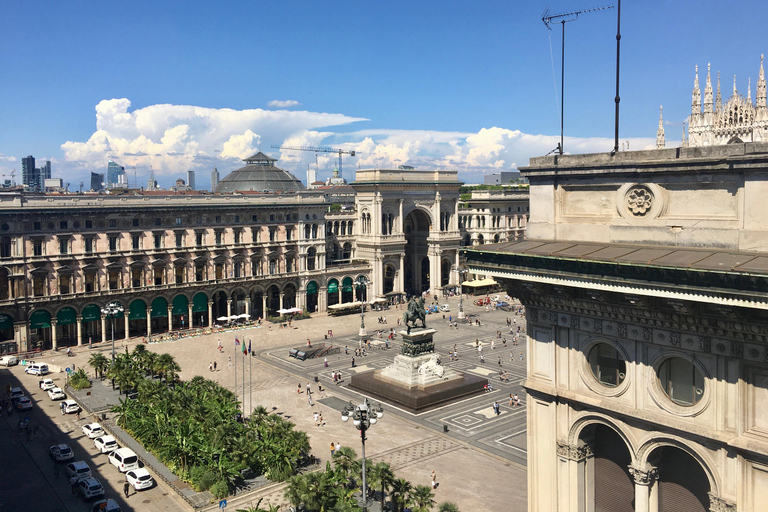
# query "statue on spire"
(708, 107)
(660, 143)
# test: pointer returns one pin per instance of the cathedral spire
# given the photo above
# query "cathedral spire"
(708, 93)
(696, 101)
(683, 143)
(760, 95)
(734, 85)
(660, 132)
(718, 99)
(749, 89)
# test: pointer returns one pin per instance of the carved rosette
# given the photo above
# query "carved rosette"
(576, 453)
(644, 477)
(639, 200)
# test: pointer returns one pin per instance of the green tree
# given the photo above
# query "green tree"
(447, 506)
(382, 476)
(345, 464)
(422, 498)
(99, 363)
(296, 490)
(401, 489)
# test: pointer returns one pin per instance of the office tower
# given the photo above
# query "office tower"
(214, 179)
(191, 179)
(96, 181)
(28, 171)
(114, 171)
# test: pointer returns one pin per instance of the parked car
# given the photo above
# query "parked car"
(124, 459)
(496, 298)
(93, 430)
(139, 479)
(23, 404)
(505, 306)
(37, 369)
(46, 384)
(90, 488)
(9, 361)
(16, 393)
(79, 469)
(61, 452)
(105, 444)
(56, 394)
(444, 308)
(108, 505)
(69, 407)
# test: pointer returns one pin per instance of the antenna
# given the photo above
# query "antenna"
(563, 19)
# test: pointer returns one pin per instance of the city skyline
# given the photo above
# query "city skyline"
(429, 85)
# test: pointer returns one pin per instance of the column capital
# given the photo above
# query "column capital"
(573, 452)
(644, 477)
(719, 504)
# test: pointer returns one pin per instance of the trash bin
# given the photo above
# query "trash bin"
(317, 379)
(326, 336)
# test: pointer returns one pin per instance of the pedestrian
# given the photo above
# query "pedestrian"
(317, 423)
(90, 342)
(333, 448)
(309, 400)
(353, 362)
(511, 400)
(214, 365)
(325, 362)
(516, 399)
(496, 408)
(521, 356)
(77, 415)
(309, 390)
(512, 356)
(210, 367)
(320, 419)
(126, 489)
(219, 347)
(506, 377)
(493, 344)
(229, 362)
(482, 359)
(434, 479)
(499, 362)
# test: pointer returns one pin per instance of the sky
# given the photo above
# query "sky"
(173, 86)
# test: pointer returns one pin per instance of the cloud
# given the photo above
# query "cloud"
(283, 103)
(7, 158)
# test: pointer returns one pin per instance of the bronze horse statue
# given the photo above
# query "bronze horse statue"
(414, 313)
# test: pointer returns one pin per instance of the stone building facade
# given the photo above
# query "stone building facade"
(645, 280)
(494, 215)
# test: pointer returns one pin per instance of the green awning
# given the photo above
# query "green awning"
(180, 305)
(40, 319)
(333, 286)
(159, 308)
(138, 310)
(66, 316)
(346, 284)
(91, 313)
(6, 322)
(311, 288)
(200, 303)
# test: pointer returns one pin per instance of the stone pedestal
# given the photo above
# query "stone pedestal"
(416, 380)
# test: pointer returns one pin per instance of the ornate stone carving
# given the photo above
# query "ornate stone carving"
(705, 343)
(639, 200)
(574, 452)
(553, 318)
(674, 339)
(647, 334)
(622, 330)
(719, 504)
(737, 349)
(598, 325)
(575, 321)
(644, 477)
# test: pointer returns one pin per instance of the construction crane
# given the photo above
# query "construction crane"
(318, 150)
(563, 19)
(12, 174)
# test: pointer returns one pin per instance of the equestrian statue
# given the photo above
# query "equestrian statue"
(414, 313)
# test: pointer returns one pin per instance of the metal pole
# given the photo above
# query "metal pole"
(562, 87)
(250, 383)
(244, 409)
(365, 495)
(113, 336)
(617, 99)
(235, 373)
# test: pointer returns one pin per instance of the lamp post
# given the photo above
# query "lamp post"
(112, 310)
(363, 416)
(363, 282)
(461, 272)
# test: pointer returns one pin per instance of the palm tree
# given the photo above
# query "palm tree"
(401, 489)
(382, 475)
(166, 366)
(257, 508)
(422, 496)
(447, 506)
(345, 464)
(99, 363)
(296, 490)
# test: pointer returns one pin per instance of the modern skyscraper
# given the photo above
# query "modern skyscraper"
(114, 171)
(214, 179)
(191, 179)
(96, 181)
(28, 171)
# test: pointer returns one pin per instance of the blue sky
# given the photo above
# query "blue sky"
(465, 85)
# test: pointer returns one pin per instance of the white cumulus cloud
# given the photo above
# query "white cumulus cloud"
(283, 103)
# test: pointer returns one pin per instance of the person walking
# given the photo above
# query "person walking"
(333, 449)
(214, 366)
(482, 359)
(511, 400)
(309, 400)
(317, 423)
(516, 399)
(434, 479)
(309, 389)
(496, 408)
(126, 489)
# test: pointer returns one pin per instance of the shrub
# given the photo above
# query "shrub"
(79, 380)
(220, 489)
(202, 478)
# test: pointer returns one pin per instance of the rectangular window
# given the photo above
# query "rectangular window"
(135, 223)
(113, 244)
(219, 238)
(89, 245)
(158, 241)
(254, 218)
(89, 224)
(288, 233)
(218, 218)
(272, 267)
(237, 218)
(136, 241)
(198, 239)
(178, 221)
(158, 221)
(136, 278)
(238, 236)
(37, 247)
(199, 272)
(272, 234)
(179, 240)
(271, 216)
(113, 223)
(64, 246)
(37, 226)
(63, 224)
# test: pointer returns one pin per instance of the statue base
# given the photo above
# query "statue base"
(415, 380)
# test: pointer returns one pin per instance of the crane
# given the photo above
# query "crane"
(564, 18)
(318, 150)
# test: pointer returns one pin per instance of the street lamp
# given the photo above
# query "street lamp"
(460, 271)
(112, 310)
(363, 282)
(363, 416)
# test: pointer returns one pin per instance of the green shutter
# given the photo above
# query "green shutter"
(200, 303)
(159, 308)
(180, 305)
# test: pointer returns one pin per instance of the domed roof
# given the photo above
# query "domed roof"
(259, 175)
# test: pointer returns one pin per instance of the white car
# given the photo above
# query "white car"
(46, 384)
(90, 488)
(124, 459)
(56, 394)
(23, 404)
(9, 361)
(444, 308)
(61, 452)
(79, 469)
(105, 444)
(108, 505)
(496, 298)
(69, 407)
(139, 479)
(37, 369)
(93, 430)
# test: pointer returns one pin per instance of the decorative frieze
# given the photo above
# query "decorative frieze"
(705, 343)
(674, 339)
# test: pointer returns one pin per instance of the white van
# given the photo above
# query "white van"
(124, 459)
(9, 361)
(37, 369)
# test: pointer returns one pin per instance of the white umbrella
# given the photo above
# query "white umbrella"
(223, 319)
(244, 315)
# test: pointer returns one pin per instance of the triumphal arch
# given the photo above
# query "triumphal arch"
(408, 228)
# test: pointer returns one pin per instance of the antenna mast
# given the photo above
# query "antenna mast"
(563, 19)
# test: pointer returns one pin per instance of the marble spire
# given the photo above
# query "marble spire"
(708, 93)
(696, 96)
(718, 99)
(660, 132)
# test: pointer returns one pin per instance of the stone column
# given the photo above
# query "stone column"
(170, 318)
(191, 321)
(282, 296)
(229, 307)
(264, 304)
(248, 306)
(126, 324)
(400, 217)
(54, 341)
(645, 479)
(149, 324)
(79, 331)
(103, 328)
(576, 462)
(210, 313)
